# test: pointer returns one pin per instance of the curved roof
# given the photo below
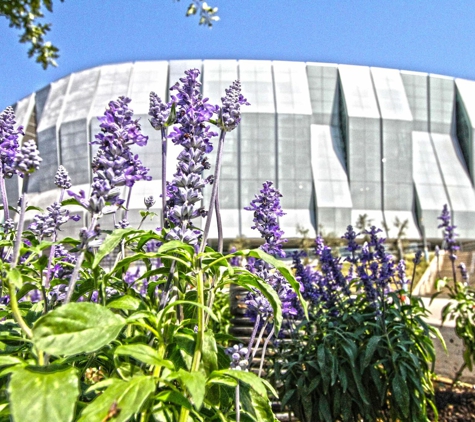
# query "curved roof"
(339, 141)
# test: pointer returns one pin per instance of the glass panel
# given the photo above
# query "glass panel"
(257, 86)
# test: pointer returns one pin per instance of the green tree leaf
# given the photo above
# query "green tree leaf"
(126, 396)
(40, 395)
(15, 278)
(76, 328)
(126, 303)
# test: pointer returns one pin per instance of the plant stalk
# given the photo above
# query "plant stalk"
(217, 172)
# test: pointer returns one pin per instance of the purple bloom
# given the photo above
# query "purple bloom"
(8, 225)
(27, 159)
(267, 209)
(9, 147)
(122, 224)
(64, 263)
(417, 257)
(238, 354)
(186, 190)
(47, 225)
(450, 244)
(159, 111)
(401, 274)
(463, 272)
(62, 179)
(230, 112)
(352, 246)
(149, 202)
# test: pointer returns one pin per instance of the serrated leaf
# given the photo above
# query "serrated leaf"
(127, 396)
(126, 303)
(143, 353)
(76, 328)
(110, 243)
(34, 396)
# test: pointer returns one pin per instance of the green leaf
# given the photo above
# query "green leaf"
(76, 328)
(248, 280)
(110, 243)
(399, 390)
(125, 396)
(210, 352)
(43, 396)
(195, 383)
(170, 396)
(284, 270)
(173, 245)
(144, 353)
(6, 360)
(370, 349)
(14, 277)
(125, 303)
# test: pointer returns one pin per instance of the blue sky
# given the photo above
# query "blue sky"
(435, 36)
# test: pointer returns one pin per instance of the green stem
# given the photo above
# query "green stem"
(17, 314)
(195, 365)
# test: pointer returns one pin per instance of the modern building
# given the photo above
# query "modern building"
(339, 141)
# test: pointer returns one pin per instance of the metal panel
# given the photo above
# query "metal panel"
(257, 85)
(291, 88)
(332, 190)
(323, 86)
(442, 104)
(146, 77)
(416, 87)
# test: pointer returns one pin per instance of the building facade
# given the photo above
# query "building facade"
(340, 142)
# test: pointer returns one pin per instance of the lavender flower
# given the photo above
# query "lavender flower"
(149, 202)
(62, 179)
(352, 246)
(449, 233)
(27, 159)
(9, 147)
(463, 272)
(401, 273)
(267, 209)
(230, 112)
(159, 111)
(417, 257)
(47, 225)
(8, 226)
(238, 354)
(122, 224)
(114, 164)
(64, 263)
(186, 189)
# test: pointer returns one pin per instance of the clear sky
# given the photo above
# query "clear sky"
(435, 36)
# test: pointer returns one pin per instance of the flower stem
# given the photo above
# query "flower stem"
(21, 222)
(220, 223)
(16, 312)
(253, 336)
(77, 267)
(238, 404)
(3, 193)
(217, 172)
(263, 355)
(164, 174)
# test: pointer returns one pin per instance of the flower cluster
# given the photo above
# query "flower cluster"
(9, 147)
(62, 179)
(238, 354)
(193, 134)
(230, 112)
(115, 165)
(449, 233)
(159, 111)
(267, 209)
(47, 224)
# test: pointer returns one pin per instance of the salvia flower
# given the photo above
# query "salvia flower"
(28, 159)
(193, 134)
(159, 111)
(238, 354)
(401, 275)
(47, 224)
(417, 257)
(62, 179)
(122, 224)
(450, 244)
(463, 272)
(9, 147)
(230, 112)
(267, 209)
(115, 165)
(149, 202)
(8, 225)
(351, 246)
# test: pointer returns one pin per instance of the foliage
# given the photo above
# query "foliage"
(24, 15)
(360, 356)
(145, 339)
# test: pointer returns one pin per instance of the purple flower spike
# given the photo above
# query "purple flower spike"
(192, 133)
(267, 209)
(9, 147)
(463, 272)
(450, 244)
(230, 112)
(238, 354)
(159, 111)
(47, 225)
(62, 179)
(28, 158)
